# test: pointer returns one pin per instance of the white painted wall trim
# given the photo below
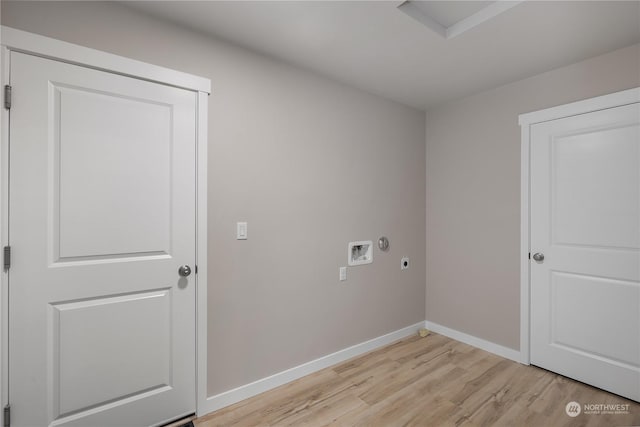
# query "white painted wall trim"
(246, 391)
(230, 397)
(507, 353)
(525, 150)
(615, 99)
(625, 97)
(201, 251)
(34, 44)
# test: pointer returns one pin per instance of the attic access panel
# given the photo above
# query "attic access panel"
(452, 18)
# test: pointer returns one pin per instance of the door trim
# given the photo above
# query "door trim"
(4, 233)
(33, 44)
(625, 97)
(201, 253)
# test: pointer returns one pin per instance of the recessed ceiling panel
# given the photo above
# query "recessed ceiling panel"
(452, 18)
(447, 13)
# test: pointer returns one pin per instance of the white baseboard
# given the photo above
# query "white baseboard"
(507, 353)
(230, 397)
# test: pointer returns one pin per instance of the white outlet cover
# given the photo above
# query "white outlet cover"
(360, 252)
(241, 231)
(343, 274)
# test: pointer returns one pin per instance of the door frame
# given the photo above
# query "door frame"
(20, 41)
(617, 99)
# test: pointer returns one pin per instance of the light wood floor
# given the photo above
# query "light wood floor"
(432, 381)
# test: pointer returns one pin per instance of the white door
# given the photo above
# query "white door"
(585, 220)
(101, 216)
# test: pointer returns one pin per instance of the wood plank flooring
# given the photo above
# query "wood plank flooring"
(432, 381)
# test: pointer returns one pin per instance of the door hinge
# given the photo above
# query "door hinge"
(7, 416)
(7, 97)
(7, 257)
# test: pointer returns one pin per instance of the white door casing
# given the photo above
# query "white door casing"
(585, 219)
(102, 212)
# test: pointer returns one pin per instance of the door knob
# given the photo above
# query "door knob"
(184, 270)
(538, 256)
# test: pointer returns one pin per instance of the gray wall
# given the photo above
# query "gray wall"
(311, 165)
(473, 192)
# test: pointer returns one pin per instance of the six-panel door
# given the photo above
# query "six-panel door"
(102, 215)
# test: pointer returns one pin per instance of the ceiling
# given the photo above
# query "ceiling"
(374, 46)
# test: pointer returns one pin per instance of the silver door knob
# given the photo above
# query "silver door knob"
(538, 256)
(184, 270)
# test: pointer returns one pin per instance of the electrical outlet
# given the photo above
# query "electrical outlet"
(404, 263)
(343, 274)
